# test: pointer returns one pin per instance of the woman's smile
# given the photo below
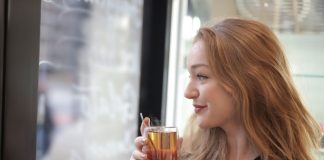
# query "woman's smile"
(199, 108)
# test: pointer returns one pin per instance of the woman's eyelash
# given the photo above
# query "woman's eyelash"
(201, 77)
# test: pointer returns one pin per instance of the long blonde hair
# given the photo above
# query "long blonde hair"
(248, 59)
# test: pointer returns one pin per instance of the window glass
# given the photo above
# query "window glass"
(89, 74)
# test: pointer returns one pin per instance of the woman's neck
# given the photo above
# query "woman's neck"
(239, 147)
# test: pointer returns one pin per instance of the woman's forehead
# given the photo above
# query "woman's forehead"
(197, 54)
(198, 46)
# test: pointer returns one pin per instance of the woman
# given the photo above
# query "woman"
(246, 106)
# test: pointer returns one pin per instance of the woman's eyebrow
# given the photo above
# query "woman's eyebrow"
(198, 65)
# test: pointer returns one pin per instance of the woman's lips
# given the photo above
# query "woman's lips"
(199, 108)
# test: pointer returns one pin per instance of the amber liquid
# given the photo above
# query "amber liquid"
(162, 145)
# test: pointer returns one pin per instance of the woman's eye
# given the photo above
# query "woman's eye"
(201, 77)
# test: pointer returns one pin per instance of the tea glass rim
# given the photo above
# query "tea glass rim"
(161, 129)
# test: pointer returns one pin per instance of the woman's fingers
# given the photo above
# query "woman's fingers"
(140, 142)
(145, 123)
(179, 143)
(145, 149)
(137, 155)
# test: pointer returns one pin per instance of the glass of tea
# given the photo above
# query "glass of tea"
(162, 142)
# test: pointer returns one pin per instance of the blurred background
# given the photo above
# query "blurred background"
(102, 62)
(89, 77)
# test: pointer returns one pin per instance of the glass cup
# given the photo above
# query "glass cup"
(162, 143)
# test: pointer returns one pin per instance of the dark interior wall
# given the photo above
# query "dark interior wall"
(19, 106)
(155, 42)
(2, 37)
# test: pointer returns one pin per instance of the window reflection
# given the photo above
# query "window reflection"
(88, 79)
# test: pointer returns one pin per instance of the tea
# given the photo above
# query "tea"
(162, 144)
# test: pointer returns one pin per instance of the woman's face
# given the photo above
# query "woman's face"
(213, 105)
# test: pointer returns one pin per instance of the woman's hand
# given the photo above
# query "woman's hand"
(141, 143)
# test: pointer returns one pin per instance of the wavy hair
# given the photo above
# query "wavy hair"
(247, 57)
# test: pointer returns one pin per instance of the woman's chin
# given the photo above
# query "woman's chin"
(201, 123)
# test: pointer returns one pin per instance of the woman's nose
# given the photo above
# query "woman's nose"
(191, 92)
